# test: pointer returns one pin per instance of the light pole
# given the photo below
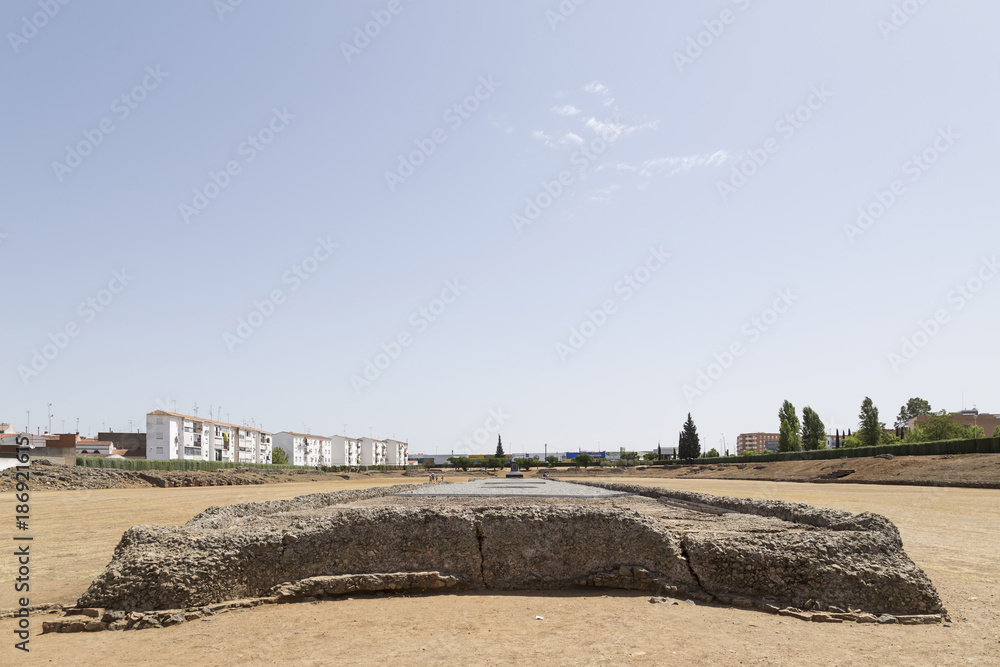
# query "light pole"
(50, 418)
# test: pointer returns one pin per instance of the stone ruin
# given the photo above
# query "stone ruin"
(769, 555)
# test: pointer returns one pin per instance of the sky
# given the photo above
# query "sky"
(566, 223)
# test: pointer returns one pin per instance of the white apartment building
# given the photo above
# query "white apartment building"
(346, 451)
(372, 452)
(396, 452)
(170, 435)
(304, 449)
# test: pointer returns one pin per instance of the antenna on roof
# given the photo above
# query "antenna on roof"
(196, 409)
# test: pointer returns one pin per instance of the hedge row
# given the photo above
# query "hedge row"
(179, 464)
(176, 464)
(973, 446)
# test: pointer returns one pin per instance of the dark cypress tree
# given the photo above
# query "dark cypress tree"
(499, 454)
(688, 445)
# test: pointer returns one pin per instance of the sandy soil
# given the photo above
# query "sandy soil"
(952, 533)
(972, 470)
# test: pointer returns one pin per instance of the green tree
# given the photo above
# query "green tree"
(499, 453)
(935, 428)
(996, 432)
(915, 407)
(630, 458)
(870, 429)
(688, 444)
(851, 441)
(279, 456)
(525, 464)
(583, 460)
(463, 462)
(653, 456)
(813, 430)
(551, 460)
(788, 440)
(713, 453)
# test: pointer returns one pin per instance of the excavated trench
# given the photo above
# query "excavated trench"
(729, 550)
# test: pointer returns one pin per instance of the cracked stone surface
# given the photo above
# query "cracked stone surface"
(734, 551)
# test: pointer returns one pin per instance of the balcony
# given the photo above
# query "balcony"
(192, 451)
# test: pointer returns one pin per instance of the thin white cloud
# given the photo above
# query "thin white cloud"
(565, 110)
(674, 164)
(604, 195)
(597, 88)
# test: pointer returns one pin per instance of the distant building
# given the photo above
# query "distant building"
(396, 452)
(345, 451)
(134, 444)
(304, 449)
(372, 452)
(756, 442)
(170, 435)
(968, 418)
(7, 429)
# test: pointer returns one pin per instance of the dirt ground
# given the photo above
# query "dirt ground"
(952, 533)
(972, 470)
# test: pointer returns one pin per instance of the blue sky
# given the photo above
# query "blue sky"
(180, 165)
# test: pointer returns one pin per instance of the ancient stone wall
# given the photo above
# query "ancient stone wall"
(821, 560)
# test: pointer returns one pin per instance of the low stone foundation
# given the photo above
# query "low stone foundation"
(747, 553)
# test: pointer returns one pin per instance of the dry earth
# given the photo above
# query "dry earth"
(972, 470)
(952, 533)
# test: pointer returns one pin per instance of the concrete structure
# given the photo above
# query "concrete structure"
(170, 435)
(7, 429)
(757, 442)
(346, 451)
(372, 452)
(134, 444)
(396, 453)
(304, 449)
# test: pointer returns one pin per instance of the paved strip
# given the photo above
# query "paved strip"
(514, 488)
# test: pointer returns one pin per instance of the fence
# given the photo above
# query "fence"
(972, 446)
